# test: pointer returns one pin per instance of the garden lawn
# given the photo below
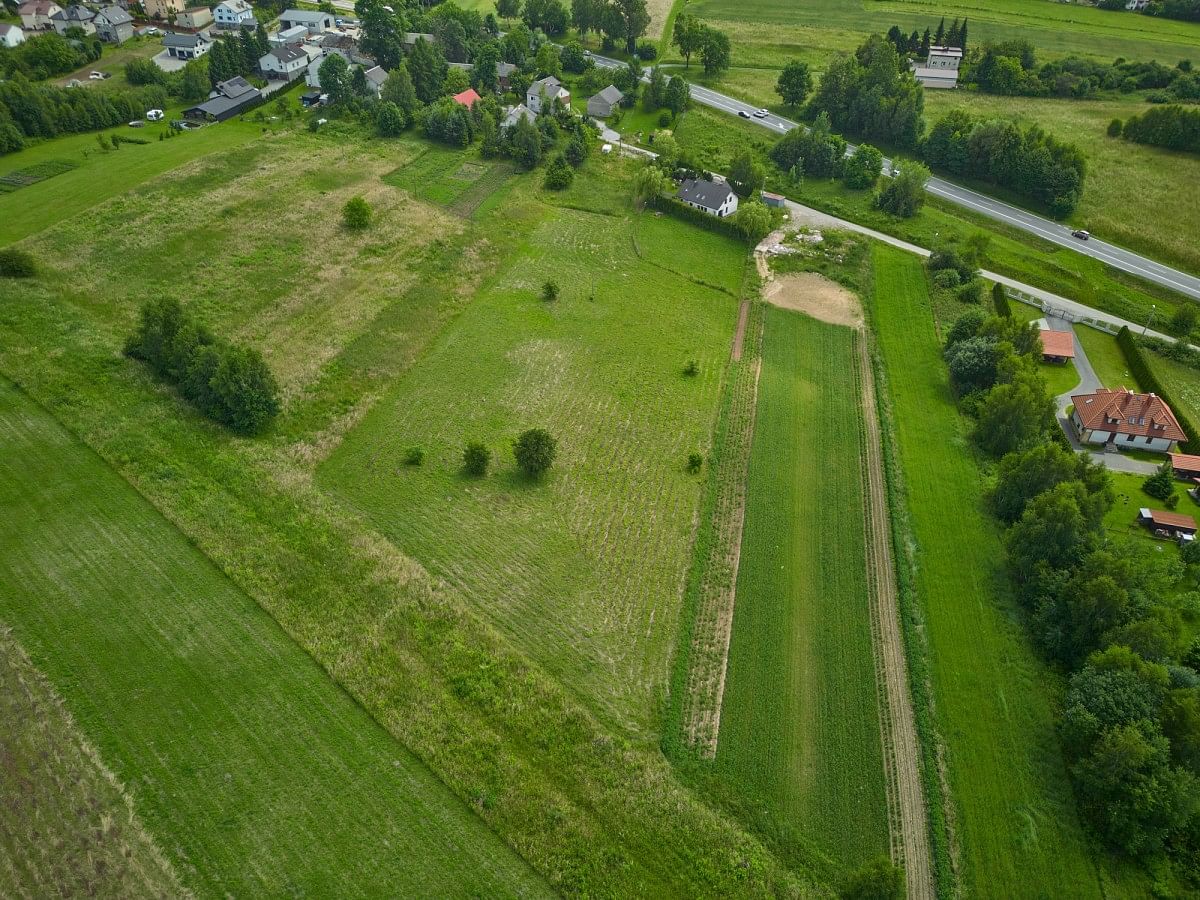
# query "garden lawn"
(1121, 520)
(799, 738)
(583, 569)
(1181, 381)
(1106, 358)
(1015, 820)
(253, 769)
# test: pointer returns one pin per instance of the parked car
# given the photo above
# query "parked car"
(154, 115)
(150, 30)
(761, 114)
(743, 114)
(1081, 234)
(137, 123)
(96, 76)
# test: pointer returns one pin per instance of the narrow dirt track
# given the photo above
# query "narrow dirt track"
(901, 747)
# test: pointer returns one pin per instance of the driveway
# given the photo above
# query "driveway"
(168, 63)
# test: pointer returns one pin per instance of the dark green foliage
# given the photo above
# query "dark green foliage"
(695, 462)
(1022, 476)
(559, 174)
(356, 214)
(573, 58)
(534, 451)
(822, 152)
(448, 122)
(1161, 484)
(746, 175)
(227, 383)
(427, 68)
(389, 120)
(334, 77)
(476, 459)
(692, 369)
(862, 169)
(1000, 301)
(41, 56)
(1183, 320)
(676, 99)
(795, 81)
(550, 291)
(972, 364)
(414, 456)
(1114, 128)
(904, 194)
(1150, 383)
(715, 52)
(15, 263)
(877, 880)
(548, 15)
(30, 110)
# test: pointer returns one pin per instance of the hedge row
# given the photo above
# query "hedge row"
(1136, 360)
(681, 210)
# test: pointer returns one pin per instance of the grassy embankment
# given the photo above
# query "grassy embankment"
(1013, 811)
(586, 809)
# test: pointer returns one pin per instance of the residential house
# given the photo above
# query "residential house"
(1168, 525)
(74, 17)
(375, 76)
(411, 38)
(1123, 419)
(163, 10)
(37, 16)
(293, 35)
(1057, 346)
(234, 14)
(186, 46)
(11, 35)
(195, 17)
(467, 98)
(313, 21)
(230, 98)
(715, 198)
(941, 68)
(546, 91)
(605, 103)
(516, 114)
(504, 72)
(114, 25)
(287, 62)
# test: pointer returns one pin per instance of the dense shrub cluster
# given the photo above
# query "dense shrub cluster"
(1027, 161)
(816, 152)
(227, 383)
(1112, 616)
(1173, 127)
(43, 56)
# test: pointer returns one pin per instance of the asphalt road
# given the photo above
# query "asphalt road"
(1056, 233)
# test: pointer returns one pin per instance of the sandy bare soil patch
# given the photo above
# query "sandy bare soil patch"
(816, 296)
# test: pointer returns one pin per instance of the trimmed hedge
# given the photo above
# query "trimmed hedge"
(681, 210)
(1136, 361)
(1000, 301)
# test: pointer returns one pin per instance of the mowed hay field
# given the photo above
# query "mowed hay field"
(67, 826)
(584, 568)
(255, 771)
(1014, 813)
(799, 738)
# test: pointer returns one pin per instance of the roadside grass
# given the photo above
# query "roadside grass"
(583, 568)
(67, 826)
(200, 702)
(800, 739)
(591, 812)
(1106, 358)
(1182, 381)
(1013, 813)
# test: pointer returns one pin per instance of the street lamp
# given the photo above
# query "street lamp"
(1149, 319)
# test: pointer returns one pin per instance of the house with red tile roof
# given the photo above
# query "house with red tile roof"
(1125, 420)
(467, 98)
(1057, 346)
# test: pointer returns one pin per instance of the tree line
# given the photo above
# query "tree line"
(229, 384)
(1185, 10)
(1172, 127)
(43, 56)
(917, 44)
(1115, 619)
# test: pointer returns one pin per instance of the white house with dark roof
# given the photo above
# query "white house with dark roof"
(186, 46)
(11, 35)
(312, 20)
(516, 114)
(74, 17)
(38, 14)
(715, 198)
(234, 14)
(548, 90)
(375, 76)
(114, 25)
(287, 61)
(605, 103)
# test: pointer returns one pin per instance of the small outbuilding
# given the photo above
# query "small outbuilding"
(1185, 466)
(605, 103)
(776, 200)
(1168, 525)
(1057, 346)
(467, 98)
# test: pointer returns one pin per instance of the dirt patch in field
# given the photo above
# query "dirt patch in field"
(816, 296)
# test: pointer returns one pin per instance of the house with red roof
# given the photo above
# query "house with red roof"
(1125, 420)
(467, 98)
(1057, 346)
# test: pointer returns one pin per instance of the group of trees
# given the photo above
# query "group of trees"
(43, 56)
(917, 44)
(618, 22)
(191, 83)
(954, 268)
(534, 451)
(227, 383)
(1109, 614)
(1186, 10)
(1027, 161)
(232, 56)
(29, 110)
(1173, 127)
(1010, 68)
(872, 94)
(691, 37)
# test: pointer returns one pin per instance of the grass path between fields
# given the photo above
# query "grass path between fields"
(258, 774)
(1014, 817)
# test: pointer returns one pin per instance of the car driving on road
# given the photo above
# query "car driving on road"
(1081, 234)
(743, 114)
(760, 113)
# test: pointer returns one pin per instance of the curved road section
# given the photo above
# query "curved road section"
(1046, 229)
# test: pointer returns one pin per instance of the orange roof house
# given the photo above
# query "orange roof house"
(1057, 345)
(467, 98)
(1124, 419)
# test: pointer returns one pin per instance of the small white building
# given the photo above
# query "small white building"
(941, 68)
(715, 198)
(234, 14)
(11, 35)
(186, 46)
(312, 21)
(284, 62)
(546, 90)
(288, 36)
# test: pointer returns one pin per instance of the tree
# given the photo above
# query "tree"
(754, 220)
(795, 81)
(972, 364)
(687, 36)
(246, 389)
(194, 84)
(1161, 484)
(677, 95)
(635, 18)
(1053, 533)
(476, 459)
(1183, 321)
(334, 78)
(1026, 474)
(356, 214)
(655, 93)
(359, 88)
(508, 9)
(383, 37)
(455, 82)
(534, 451)
(1000, 300)
(1114, 128)
(877, 880)
(1014, 415)
(548, 15)
(649, 182)
(573, 58)
(863, 167)
(715, 51)
(427, 68)
(390, 120)
(525, 143)
(398, 89)
(585, 15)
(746, 175)
(550, 291)
(16, 263)
(559, 174)
(547, 61)
(904, 194)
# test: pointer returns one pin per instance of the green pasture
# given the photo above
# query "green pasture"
(799, 738)
(254, 770)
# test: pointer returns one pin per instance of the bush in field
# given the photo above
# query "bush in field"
(534, 451)
(559, 174)
(550, 291)
(692, 369)
(877, 880)
(476, 459)
(695, 462)
(1161, 484)
(356, 214)
(904, 195)
(16, 263)
(414, 456)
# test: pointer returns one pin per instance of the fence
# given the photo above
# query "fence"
(1056, 312)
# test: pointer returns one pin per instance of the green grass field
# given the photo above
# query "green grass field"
(1106, 358)
(1183, 383)
(799, 731)
(67, 826)
(582, 570)
(1014, 814)
(201, 703)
